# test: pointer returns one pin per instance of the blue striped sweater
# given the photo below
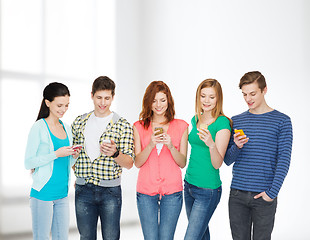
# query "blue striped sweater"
(263, 162)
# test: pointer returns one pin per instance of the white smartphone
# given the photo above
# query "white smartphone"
(106, 141)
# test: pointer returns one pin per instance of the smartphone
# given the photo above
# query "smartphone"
(158, 130)
(203, 126)
(239, 131)
(76, 147)
(106, 141)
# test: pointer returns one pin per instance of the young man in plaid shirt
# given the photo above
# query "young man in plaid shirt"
(107, 146)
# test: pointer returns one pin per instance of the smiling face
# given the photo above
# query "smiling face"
(102, 102)
(208, 99)
(254, 96)
(58, 106)
(160, 104)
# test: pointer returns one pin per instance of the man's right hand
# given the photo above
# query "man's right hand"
(240, 140)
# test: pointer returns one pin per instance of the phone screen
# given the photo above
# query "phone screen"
(239, 131)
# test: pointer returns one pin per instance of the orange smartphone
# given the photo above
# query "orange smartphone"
(239, 131)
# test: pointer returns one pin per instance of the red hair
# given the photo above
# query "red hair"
(148, 98)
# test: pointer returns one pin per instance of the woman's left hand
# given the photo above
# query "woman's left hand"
(76, 153)
(167, 140)
(206, 137)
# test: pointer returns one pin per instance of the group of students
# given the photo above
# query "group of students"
(100, 143)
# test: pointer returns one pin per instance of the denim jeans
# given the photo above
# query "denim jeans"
(50, 216)
(93, 202)
(159, 217)
(246, 212)
(200, 205)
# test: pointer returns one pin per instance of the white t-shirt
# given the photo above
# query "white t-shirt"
(159, 146)
(94, 128)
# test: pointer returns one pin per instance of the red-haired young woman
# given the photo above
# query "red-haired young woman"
(161, 150)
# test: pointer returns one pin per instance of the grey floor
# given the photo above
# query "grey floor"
(129, 232)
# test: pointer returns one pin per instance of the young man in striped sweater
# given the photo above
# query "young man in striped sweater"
(261, 160)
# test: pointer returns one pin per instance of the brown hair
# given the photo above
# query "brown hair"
(103, 83)
(252, 77)
(218, 110)
(148, 98)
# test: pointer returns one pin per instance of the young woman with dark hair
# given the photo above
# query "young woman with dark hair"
(50, 156)
(161, 149)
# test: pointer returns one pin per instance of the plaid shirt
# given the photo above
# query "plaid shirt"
(103, 167)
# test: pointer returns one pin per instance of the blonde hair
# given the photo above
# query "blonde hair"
(218, 109)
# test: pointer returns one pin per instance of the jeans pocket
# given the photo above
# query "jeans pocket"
(178, 194)
(115, 191)
(267, 202)
(174, 198)
(234, 192)
(78, 189)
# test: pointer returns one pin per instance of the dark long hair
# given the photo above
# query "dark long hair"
(51, 91)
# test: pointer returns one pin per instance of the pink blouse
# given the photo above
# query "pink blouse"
(160, 174)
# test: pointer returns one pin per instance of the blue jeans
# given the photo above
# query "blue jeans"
(93, 202)
(159, 217)
(50, 216)
(200, 205)
(250, 218)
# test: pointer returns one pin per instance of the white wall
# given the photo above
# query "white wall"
(183, 42)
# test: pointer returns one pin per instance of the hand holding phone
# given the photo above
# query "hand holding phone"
(203, 126)
(108, 147)
(240, 139)
(76, 147)
(106, 141)
(240, 131)
(158, 130)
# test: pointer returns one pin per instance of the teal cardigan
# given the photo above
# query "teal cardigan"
(40, 154)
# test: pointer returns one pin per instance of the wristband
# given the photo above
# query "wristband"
(115, 155)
